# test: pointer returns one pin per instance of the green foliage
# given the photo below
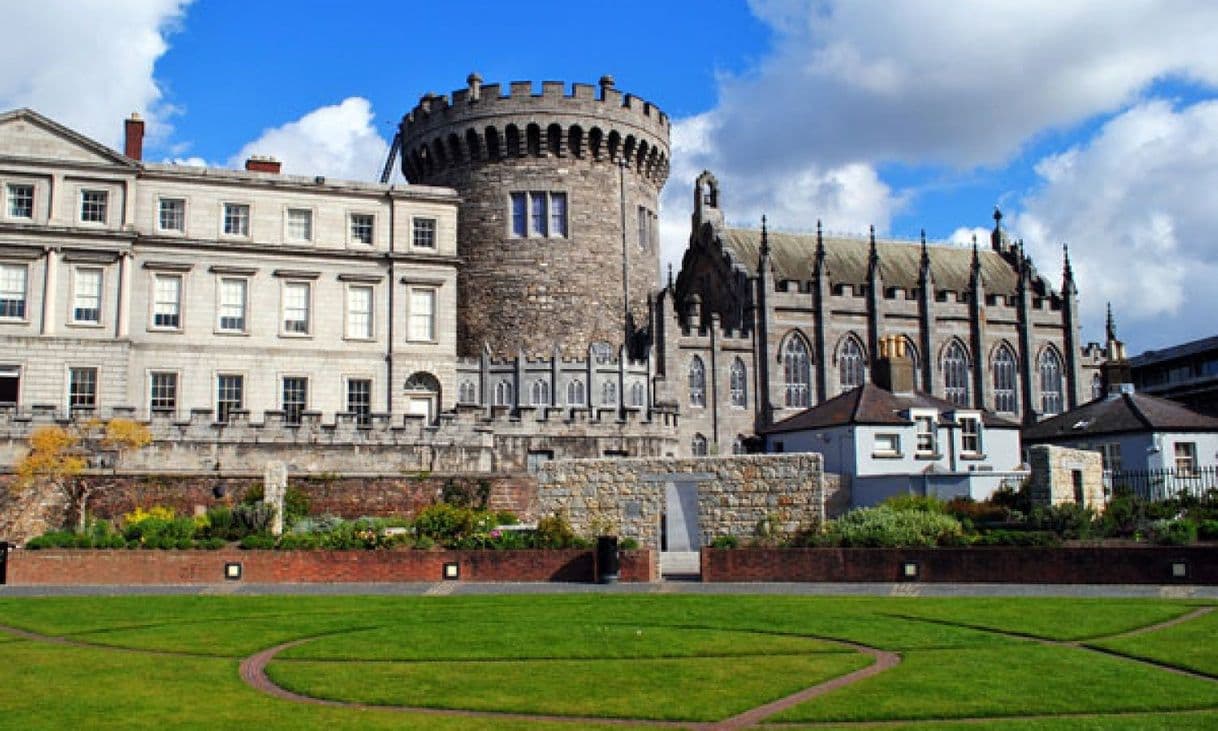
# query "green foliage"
(220, 523)
(465, 495)
(1207, 530)
(1068, 520)
(725, 542)
(1174, 532)
(54, 539)
(628, 544)
(257, 541)
(295, 505)
(444, 523)
(888, 528)
(1015, 500)
(972, 513)
(555, 532)
(1017, 538)
(915, 503)
(252, 518)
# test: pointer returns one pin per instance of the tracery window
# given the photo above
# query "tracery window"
(955, 373)
(1005, 397)
(1050, 382)
(539, 393)
(697, 382)
(739, 384)
(797, 373)
(850, 365)
(575, 393)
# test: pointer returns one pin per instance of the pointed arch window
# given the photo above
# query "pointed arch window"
(797, 373)
(850, 365)
(503, 393)
(955, 374)
(539, 393)
(638, 394)
(1005, 397)
(739, 384)
(1050, 368)
(608, 393)
(575, 392)
(467, 393)
(697, 446)
(697, 382)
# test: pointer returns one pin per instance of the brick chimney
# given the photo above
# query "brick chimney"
(262, 164)
(133, 139)
(894, 370)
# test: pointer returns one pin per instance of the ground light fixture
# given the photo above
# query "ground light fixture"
(452, 571)
(232, 571)
(909, 570)
(1179, 569)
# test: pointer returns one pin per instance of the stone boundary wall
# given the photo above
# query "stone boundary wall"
(627, 496)
(1052, 479)
(70, 567)
(1089, 565)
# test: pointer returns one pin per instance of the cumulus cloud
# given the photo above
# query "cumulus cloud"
(87, 64)
(337, 141)
(1133, 203)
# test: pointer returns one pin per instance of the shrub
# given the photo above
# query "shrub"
(257, 541)
(628, 544)
(295, 505)
(985, 512)
(1174, 532)
(465, 495)
(139, 515)
(319, 524)
(554, 532)
(252, 518)
(54, 539)
(299, 542)
(212, 544)
(1208, 530)
(1068, 520)
(219, 523)
(444, 523)
(915, 503)
(725, 542)
(1014, 499)
(424, 543)
(1018, 538)
(888, 528)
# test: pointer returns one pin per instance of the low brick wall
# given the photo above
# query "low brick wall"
(1132, 565)
(95, 567)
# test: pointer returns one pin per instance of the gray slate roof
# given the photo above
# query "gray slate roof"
(1176, 351)
(1129, 412)
(900, 261)
(870, 404)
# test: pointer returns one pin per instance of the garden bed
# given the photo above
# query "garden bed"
(167, 567)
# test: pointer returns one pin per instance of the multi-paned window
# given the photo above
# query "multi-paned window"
(955, 374)
(697, 382)
(359, 312)
(82, 389)
(167, 301)
(300, 224)
(1004, 380)
(796, 372)
(232, 304)
(503, 393)
(424, 233)
(539, 213)
(359, 400)
(697, 446)
(361, 228)
(12, 291)
(850, 365)
(576, 394)
(467, 393)
(163, 392)
(295, 398)
(236, 219)
(422, 321)
(86, 295)
(1186, 459)
(738, 383)
(20, 200)
(1111, 456)
(230, 395)
(296, 308)
(638, 394)
(608, 393)
(539, 393)
(171, 214)
(93, 205)
(1050, 382)
(924, 430)
(887, 445)
(970, 435)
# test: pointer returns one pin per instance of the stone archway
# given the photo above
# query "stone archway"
(422, 392)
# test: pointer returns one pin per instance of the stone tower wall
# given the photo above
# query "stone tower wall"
(534, 293)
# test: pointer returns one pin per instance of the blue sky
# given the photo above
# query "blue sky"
(1089, 122)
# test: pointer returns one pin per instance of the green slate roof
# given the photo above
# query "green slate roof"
(793, 254)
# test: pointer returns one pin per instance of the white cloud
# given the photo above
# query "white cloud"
(87, 64)
(1134, 205)
(338, 141)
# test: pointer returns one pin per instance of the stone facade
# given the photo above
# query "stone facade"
(735, 494)
(1061, 475)
(603, 154)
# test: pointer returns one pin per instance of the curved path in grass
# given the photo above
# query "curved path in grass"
(253, 673)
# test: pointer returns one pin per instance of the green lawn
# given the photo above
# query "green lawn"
(679, 657)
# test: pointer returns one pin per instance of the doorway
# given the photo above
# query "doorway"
(680, 539)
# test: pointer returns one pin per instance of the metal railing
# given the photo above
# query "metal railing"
(1162, 484)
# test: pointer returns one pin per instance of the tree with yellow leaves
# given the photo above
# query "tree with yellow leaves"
(59, 456)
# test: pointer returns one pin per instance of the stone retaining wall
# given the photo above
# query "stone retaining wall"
(80, 567)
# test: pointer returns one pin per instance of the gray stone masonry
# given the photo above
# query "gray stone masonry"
(1054, 472)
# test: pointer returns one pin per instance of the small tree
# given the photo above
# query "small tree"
(59, 456)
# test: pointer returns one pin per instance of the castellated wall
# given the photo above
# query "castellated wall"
(528, 293)
(627, 496)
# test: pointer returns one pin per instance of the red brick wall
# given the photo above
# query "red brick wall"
(68, 567)
(1132, 565)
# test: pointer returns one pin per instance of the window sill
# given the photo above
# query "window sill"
(87, 325)
(166, 330)
(927, 456)
(887, 455)
(14, 321)
(295, 335)
(360, 339)
(232, 333)
(972, 456)
(411, 341)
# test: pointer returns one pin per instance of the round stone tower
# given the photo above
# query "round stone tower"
(557, 225)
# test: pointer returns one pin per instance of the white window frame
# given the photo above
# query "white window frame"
(930, 418)
(177, 391)
(245, 305)
(105, 206)
(25, 291)
(285, 286)
(348, 380)
(410, 314)
(977, 435)
(9, 197)
(539, 207)
(416, 229)
(349, 333)
(101, 296)
(304, 405)
(249, 219)
(243, 404)
(154, 301)
(160, 215)
(352, 240)
(886, 444)
(1185, 459)
(293, 215)
(96, 386)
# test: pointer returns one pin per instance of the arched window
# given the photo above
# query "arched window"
(492, 143)
(797, 373)
(638, 394)
(1005, 398)
(850, 365)
(1097, 386)
(575, 140)
(539, 393)
(697, 382)
(697, 446)
(467, 393)
(955, 373)
(739, 384)
(608, 393)
(475, 148)
(532, 135)
(512, 136)
(575, 392)
(503, 393)
(1050, 367)
(554, 140)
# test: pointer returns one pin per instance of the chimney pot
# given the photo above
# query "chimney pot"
(133, 137)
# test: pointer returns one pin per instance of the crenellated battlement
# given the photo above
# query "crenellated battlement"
(485, 123)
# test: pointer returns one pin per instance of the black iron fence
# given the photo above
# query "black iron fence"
(1162, 484)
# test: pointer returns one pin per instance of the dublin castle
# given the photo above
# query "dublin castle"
(505, 304)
